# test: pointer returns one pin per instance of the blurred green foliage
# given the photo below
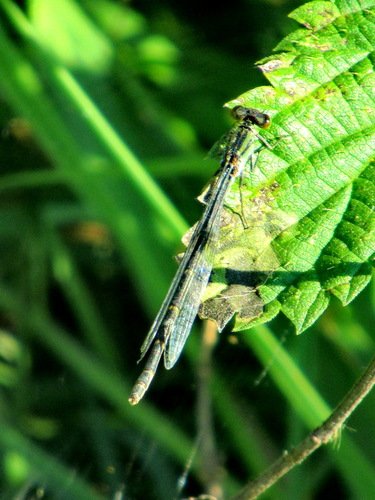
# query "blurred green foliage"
(86, 259)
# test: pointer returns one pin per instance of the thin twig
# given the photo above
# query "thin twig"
(322, 435)
(211, 472)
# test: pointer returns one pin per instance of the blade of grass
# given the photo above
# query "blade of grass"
(95, 181)
(101, 378)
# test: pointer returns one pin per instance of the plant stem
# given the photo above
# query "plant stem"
(321, 435)
(211, 472)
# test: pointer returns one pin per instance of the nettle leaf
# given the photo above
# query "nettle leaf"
(301, 229)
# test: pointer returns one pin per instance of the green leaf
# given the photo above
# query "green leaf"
(315, 186)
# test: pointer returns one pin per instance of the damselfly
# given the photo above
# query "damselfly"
(174, 321)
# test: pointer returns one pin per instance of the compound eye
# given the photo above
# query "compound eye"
(264, 121)
(261, 120)
(239, 112)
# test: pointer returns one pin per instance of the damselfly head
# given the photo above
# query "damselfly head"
(252, 115)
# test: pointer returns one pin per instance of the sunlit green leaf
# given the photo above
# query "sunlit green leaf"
(322, 103)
